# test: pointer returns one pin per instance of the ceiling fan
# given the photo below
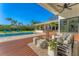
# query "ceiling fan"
(66, 6)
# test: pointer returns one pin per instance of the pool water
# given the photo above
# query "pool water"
(15, 34)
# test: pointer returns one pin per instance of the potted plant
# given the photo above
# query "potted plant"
(52, 47)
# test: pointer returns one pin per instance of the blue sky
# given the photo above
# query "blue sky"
(24, 13)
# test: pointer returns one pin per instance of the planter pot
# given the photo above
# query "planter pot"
(51, 52)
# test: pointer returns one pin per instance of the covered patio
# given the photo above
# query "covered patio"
(63, 11)
(68, 19)
(50, 25)
(67, 23)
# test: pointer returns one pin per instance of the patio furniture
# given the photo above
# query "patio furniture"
(67, 39)
(53, 36)
(42, 43)
(35, 40)
(58, 37)
(65, 48)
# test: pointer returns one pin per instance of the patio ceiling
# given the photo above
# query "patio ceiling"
(52, 7)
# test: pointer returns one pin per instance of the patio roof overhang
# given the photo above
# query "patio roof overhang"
(53, 8)
(46, 22)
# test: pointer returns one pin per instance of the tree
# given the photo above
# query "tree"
(20, 24)
(13, 22)
(35, 22)
(9, 19)
(54, 24)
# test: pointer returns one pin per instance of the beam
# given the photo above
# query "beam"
(49, 8)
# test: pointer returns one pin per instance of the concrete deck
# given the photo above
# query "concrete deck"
(16, 48)
(38, 50)
(18, 45)
(11, 38)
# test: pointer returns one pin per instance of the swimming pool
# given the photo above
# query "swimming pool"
(15, 34)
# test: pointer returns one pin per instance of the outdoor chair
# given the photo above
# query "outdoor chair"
(68, 39)
(42, 43)
(35, 40)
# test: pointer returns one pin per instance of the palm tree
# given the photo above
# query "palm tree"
(35, 22)
(9, 19)
(14, 22)
(54, 24)
(20, 24)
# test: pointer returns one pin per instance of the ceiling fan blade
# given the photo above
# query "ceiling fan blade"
(69, 8)
(61, 11)
(73, 4)
(68, 3)
(60, 6)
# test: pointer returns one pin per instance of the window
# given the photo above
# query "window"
(69, 25)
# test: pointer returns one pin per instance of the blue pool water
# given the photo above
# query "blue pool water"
(15, 34)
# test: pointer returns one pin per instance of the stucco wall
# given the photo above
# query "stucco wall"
(71, 13)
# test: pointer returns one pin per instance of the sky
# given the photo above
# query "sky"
(24, 13)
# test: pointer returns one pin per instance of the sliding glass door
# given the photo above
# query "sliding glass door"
(69, 25)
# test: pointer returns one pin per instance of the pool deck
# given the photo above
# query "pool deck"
(38, 50)
(10, 38)
(17, 48)
(17, 45)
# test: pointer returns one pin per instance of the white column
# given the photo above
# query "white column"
(58, 24)
(50, 27)
(44, 27)
(36, 28)
(59, 18)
